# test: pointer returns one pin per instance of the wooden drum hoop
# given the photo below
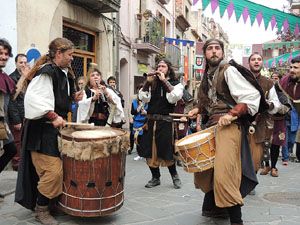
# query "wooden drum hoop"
(198, 155)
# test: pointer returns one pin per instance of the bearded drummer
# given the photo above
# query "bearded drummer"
(225, 93)
(48, 100)
(161, 91)
(290, 84)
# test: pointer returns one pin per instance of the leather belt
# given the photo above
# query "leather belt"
(159, 117)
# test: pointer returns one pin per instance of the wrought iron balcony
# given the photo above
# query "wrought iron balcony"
(99, 6)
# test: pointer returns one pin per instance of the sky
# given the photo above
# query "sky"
(243, 33)
(240, 33)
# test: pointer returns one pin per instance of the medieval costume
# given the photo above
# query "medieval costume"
(260, 140)
(157, 144)
(7, 88)
(139, 120)
(229, 89)
(98, 111)
(40, 173)
(291, 88)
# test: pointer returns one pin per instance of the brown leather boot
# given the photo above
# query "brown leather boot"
(54, 208)
(43, 215)
(265, 171)
(274, 172)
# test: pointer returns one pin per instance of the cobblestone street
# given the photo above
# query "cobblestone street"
(277, 200)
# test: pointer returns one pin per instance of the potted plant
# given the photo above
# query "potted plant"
(160, 56)
(147, 14)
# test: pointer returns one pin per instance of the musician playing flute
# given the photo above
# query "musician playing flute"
(98, 102)
(227, 183)
(161, 91)
(48, 99)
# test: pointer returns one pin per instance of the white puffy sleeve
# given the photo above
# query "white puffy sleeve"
(119, 113)
(145, 96)
(273, 98)
(39, 97)
(175, 95)
(85, 109)
(241, 90)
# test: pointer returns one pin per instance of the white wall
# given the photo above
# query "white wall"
(8, 29)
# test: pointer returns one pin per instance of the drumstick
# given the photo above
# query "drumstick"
(77, 124)
(178, 115)
(178, 120)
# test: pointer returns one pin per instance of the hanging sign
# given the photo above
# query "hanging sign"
(199, 62)
(247, 50)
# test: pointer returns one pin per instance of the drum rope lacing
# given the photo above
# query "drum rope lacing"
(109, 179)
(202, 164)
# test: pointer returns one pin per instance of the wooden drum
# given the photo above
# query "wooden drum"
(197, 151)
(94, 170)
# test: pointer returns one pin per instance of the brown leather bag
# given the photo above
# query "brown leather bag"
(3, 134)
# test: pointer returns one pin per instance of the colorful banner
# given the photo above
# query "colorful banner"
(256, 11)
(281, 44)
(280, 59)
(233, 46)
(186, 69)
(173, 41)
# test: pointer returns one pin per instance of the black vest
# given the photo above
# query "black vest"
(159, 103)
(63, 101)
(100, 105)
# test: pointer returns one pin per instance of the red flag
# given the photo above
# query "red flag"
(186, 69)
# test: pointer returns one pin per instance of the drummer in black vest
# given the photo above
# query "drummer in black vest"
(99, 103)
(161, 91)
(48, 100)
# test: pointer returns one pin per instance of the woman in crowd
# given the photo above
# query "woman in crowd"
(98, 102)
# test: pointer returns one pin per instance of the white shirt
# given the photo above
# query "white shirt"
(273, 98)
(86, 107)
(172, 97)
(39, 97)
(241, 90)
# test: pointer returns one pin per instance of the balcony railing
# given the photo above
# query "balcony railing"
(153, 33)
(99, 6)
(173, 53)
(151, 42)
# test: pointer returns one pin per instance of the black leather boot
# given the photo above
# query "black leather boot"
(176, 181)
(153, 182)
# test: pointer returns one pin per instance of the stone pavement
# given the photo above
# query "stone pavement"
(277, 201)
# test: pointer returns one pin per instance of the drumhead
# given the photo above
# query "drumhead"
(92, 134)
(96, 133)
(193, 139)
